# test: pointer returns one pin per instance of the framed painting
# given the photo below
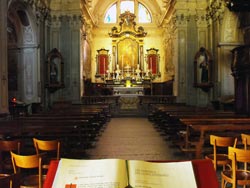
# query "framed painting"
(128, 53)
(102, 65)
(152, 60)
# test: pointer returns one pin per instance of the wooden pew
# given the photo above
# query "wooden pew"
(202, 128)
(169, 122)
(9, 129)
(74, 134)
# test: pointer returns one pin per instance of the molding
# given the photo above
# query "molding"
(229, 44)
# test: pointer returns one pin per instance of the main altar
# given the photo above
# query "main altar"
(127, 59)
(126, 68)
(129, 92)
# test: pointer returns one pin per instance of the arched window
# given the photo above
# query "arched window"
(143, 16)
(110, 16)
(127, 6)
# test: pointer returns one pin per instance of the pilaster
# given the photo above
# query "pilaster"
(4, 107)
(65, 33)
(180, 20)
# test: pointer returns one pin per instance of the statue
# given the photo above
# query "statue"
(108, 74)
(203, 64)
(138, 71)
(53, 72)
(118, 72)
(147, 73)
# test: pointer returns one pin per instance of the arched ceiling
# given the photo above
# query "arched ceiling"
(94, 10)
(97, 8)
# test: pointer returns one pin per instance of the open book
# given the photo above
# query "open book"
(118, 173)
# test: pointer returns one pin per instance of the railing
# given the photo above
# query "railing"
(157, 99)
(100, 99)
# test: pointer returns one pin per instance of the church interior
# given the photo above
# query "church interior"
(172, 72)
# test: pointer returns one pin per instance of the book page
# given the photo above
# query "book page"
(144, 174)
(102, 173)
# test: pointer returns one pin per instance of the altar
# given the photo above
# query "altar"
(127, 59)
(129, 99)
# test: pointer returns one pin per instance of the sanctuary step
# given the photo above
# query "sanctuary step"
(129, 113)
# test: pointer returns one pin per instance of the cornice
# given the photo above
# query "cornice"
(170, 4)
(86, 13)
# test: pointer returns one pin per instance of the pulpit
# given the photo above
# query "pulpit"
(241, 70)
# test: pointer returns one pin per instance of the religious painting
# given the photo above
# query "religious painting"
(128, 53)
(152, 60)
(102, 62)
(203, 69)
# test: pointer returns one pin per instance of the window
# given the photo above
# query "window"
(127, 6)
(110, 16)
(143, 16)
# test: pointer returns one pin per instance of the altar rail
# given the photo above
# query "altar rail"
(100, 99)
(114, 103)
(157, 99)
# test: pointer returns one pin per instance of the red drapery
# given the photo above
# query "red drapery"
(103, 64)
(152, 63)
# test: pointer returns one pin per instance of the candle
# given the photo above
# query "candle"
(122, 61)
(151, 64)
(104, 67)
(122, 64)
(133, 61)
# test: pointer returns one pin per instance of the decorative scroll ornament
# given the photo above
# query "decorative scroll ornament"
(127, 27)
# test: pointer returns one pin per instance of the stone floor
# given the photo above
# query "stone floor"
(134, 138)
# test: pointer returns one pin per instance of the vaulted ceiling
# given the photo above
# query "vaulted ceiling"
(97, 8)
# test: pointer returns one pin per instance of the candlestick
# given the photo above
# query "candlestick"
(151, 64)
(104, 67)
(133, 61)
(122, 65)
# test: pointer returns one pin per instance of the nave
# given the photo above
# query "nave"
(134, 138)
(91, 132)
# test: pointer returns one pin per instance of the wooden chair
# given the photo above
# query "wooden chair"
(5, 181)
(238, 175)
(49, 149)
(5, 159)
(220, 158)
(245, 139)
(25, 162)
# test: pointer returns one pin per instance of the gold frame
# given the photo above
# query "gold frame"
(128, 53)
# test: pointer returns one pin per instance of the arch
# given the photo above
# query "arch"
(23, 63)
(230, 36)
(22, 18)
(230, 28)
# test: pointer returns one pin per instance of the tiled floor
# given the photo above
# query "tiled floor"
(134, 138)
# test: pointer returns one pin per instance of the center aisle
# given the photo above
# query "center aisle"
(133, 138)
